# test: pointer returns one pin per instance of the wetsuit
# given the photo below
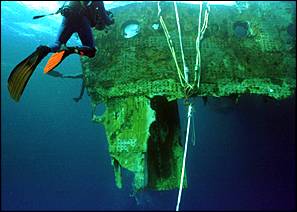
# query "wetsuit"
(76, 18)
(80, 17)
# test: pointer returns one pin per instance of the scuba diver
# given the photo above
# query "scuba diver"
(79, 17)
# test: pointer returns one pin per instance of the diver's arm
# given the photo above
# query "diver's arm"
(81, 92)
(58, 74)
(55, 74)
(74, 76)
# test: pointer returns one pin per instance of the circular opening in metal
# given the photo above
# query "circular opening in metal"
(131, 29)
(156, 26)
(241, 29)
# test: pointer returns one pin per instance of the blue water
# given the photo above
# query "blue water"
(53, 157)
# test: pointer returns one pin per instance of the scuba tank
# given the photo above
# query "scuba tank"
(91, 11)
(101, 23)
(97, 15)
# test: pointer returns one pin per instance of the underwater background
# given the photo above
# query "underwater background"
(53, 157)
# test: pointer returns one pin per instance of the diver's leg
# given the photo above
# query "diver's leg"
(44, 50)
(67, 28)
(64, 34)
(86, 36)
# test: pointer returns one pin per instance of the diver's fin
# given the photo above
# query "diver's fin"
(55, 60)
(58, 57)
(21, 74)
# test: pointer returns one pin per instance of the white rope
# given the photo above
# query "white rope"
(197, 65)
(200, 35)
(206, 13)
(184, 159)
(186, 70)
(183, 80)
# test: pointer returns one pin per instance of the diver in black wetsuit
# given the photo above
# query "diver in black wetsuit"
(80, 17)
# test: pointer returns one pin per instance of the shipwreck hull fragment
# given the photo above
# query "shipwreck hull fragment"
(248, 48)
(143, 137)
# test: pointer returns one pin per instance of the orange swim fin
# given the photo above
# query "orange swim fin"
(55, 60)
(58, 57)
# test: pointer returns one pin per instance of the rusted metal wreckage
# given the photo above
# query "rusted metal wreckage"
(247, 48)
